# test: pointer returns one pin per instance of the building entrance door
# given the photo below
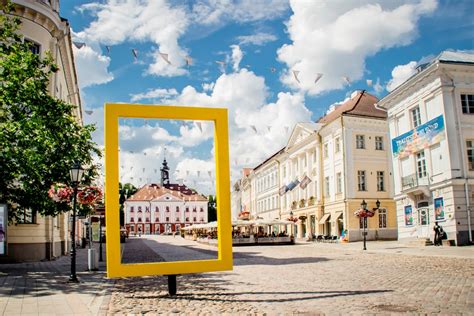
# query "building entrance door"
(147, 229)
(423, 222)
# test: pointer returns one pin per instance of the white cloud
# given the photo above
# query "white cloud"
(335, 38)
(91, 67)
(258, 39)
(244, 94)
(154, 94)
(209, 12)
(132, 20)
(236, 56)
(400, 74)
(207, 87)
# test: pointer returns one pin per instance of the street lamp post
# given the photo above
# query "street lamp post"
(364, 213)
(76, 173)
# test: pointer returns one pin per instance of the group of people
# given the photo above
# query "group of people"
(440, 234)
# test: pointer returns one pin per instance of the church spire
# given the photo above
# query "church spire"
(165, 175)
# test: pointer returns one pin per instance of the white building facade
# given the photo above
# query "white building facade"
(431, 119)
(155, 209)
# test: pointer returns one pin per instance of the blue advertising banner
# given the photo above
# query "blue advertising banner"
(422, 137)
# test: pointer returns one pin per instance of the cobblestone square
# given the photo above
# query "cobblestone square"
(311, 278)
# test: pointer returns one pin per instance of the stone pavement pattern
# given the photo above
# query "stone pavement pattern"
(306, 278)
(41, 288)
(315, 279)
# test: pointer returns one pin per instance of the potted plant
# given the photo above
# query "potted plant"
(61, 193)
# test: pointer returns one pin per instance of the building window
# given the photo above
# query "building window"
(416, 117)
(421, 165)
(35, 48)
(139, 208)
(177, 209)
(147, 219)
(157, 219)
(167, 209)
(201, 210)
(147, 209)
(382, 218)
(157, 209)
(326, 186)
(470, 154)
(139, 219)
(187, 219)
(177, 219)
(167, 219)
(326, 150)
(26, 217)
(187, 209)
(339, 182)
(380, 181)
(467, 103)
(132, 228)
(378, 143)
(337, 145)
(360, 141)
(361, 180)
(131, 208)
(132, 220)
(194, 209)
(194, 219)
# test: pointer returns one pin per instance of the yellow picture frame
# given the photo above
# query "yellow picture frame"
(112, 113)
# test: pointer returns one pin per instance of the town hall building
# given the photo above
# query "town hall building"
(164, 208)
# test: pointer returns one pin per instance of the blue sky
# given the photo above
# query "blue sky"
(263, 44)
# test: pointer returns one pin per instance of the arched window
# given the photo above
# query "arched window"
(201, 210)
(177, 208)
(139, 219)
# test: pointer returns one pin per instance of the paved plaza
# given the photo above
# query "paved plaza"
(306, 278)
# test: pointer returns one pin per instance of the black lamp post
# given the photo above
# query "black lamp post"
(76, 173)
(366, 213)
(363, 206)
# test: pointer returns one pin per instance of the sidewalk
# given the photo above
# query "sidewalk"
(42, 288)
(395, 247)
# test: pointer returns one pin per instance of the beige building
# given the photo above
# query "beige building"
(36, 237)
(325, 172)
(355, 153)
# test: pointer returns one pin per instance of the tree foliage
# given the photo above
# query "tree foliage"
(40, 138)
(126, 190)
(212, 209)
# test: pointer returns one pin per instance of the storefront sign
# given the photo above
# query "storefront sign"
(439, 209)
(432, 132)
(408, 215)
(3, 228)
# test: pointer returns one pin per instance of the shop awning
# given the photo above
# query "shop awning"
(336, 217)
(324, 219)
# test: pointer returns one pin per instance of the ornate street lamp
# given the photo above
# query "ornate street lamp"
(76, 173)
(364, 213)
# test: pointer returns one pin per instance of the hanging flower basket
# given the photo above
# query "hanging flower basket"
(61, 193)
(89, 195)
(363, 213)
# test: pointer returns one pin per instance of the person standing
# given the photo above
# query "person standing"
(437, 236)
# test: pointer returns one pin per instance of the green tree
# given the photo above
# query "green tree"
(126, 190)
(40, 137)
(212, 208)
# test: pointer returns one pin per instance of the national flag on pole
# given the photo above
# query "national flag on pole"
(304, 183)
(283, 190)
(293, 184)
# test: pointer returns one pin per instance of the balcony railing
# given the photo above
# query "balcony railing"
(413, 180)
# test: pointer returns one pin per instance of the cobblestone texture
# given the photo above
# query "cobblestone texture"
(309, 279)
